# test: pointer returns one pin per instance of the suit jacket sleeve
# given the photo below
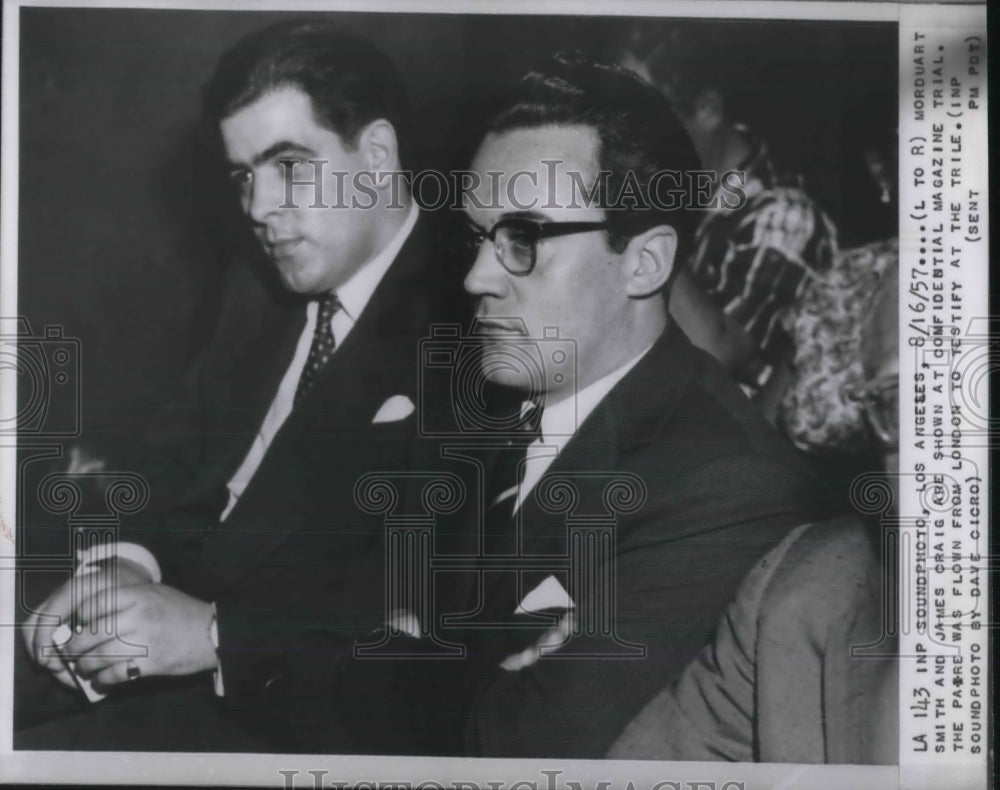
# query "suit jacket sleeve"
(778, 683)
(708, 713)
(676, 570)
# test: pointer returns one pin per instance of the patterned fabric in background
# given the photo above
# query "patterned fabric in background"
(817, 412)
(756, 260)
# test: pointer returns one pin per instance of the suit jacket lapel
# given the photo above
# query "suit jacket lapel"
(380, 352)
(382, 346)
(239, 382)
(284, 336)
(623, 420)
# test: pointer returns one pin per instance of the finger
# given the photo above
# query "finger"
(44, 649)
(90, 598)
(102, 656)
(123, 625)
(46, 654)
(117, 638)
(56, 610)
(97, 652)
(86, 642)
(116, 673)
(106, 602)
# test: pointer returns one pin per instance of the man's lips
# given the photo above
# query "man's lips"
(280, 248)
(498, 326)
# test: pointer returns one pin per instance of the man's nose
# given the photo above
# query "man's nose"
(487, 277)
(266, 196)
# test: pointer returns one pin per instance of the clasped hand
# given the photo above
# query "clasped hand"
(120, 622)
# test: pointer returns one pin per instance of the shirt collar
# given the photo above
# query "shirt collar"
(355, 293)
(561, 420)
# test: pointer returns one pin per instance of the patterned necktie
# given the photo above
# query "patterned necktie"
(323, 344)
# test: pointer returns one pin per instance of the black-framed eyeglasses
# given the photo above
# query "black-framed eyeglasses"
(515, 240)
(879, 401)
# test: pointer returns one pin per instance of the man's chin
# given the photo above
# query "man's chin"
(297, 278)
(509, 380)
(521, 386)
(510, 366)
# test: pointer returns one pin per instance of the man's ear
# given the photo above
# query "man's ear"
(649, 261)
(377, 142)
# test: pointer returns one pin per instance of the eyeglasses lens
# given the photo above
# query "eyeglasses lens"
(516, 247)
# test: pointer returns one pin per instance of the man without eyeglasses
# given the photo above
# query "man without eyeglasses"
(250, 541)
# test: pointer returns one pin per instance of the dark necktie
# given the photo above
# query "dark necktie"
(323, 344)
(507, 632)
(503, 484)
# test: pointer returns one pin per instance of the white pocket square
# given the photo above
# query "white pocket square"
(550, 594)
(547, 644)
(397, 408)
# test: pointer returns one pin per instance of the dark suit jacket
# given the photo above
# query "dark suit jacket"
(720, 488)
(779, 682)
(292, 546)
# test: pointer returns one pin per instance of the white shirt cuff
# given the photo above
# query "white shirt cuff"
(88, 559)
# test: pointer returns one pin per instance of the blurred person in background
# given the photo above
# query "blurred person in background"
(816, 410)
(750, 263)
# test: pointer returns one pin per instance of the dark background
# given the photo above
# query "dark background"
(123, 234)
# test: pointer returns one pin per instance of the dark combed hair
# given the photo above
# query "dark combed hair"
(349, 81)
(639, 134)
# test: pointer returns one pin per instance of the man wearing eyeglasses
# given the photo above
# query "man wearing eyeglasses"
(568, 636)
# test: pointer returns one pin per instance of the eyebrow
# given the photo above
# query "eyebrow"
(529, 214)
(532, 215)
(275, 150)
